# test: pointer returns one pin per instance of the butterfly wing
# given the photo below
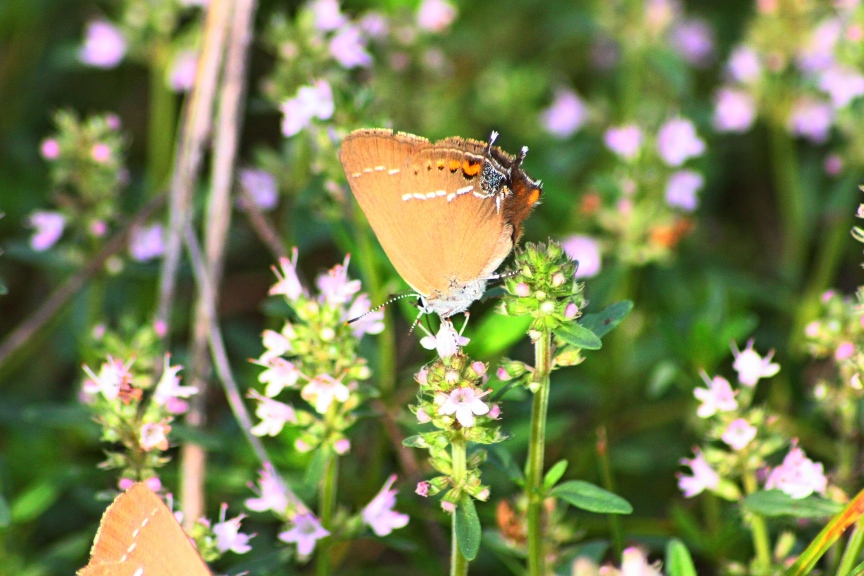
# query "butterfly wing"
(425, 203)
(139, 535)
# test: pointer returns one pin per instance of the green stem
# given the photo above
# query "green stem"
(853, 550)
(536, 452)
(328, 504)
(761, 542)
(458, 450)
(790, 200)
(609, 484)
(161, 123)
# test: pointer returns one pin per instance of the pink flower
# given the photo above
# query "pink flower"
(448, 506)
(112, 375)
(125, 483)
(738, 434)
(48, 228)
(693, 40)
(146, 242)
(734, 110)
(659, 14)
(379, 513)
(273, 415)
(624, 141)
(327, 15)
(811, 119)
(154, 435)
(422, 376)
(465, 403)
(634, 562)
(315, 101)
(104, 45)
(447, 341)
(435, 15)
(280, 374)
(335, 287)
(181, 73)
(322, 390)
(50, 149)
(228, 535)
(751, 367)
(677, 142)
(570, 311)
(276, 343)
(153, 483)
(288, 283)
(98, 228)
(704, 477)
(586, 252)
(348, 47)
(797, 476)
(682, 188)
(833, 164)
(169, 387)
(844, 351)
(112, 121)
(342, 446)
(744, 65)
(842, 84)
(422, 489)
(374, 25)
(305, 532)
(364, 321)
(717, 397)
(566, 115)
(522, 290)
(818, 51)
(261, 187)
(272, 495)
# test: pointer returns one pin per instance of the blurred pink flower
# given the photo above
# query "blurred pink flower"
(659, 14)
(315, 101)
(288, 283)
(112, 121)
(797, 476)
(693, 40)
(374, 25)
(833, 164)
(681, 189)
(146, 242)
(566, 114)
(104, 45)
(335, 286)
(677, 141)
(717, 397)
(380, 515)
(50, 149)
(47, 229)
(306, 530)
(228, 535)
(811, 119)
(112, 375)
(739, 434)
(100, 152)
(422, 489)
(261, 187)
(744, 65)
(280, 374)
(466, 403)
(169, 386)
(435, 15)
(586, 251)
(446, 342)
(844, 351)
(181, 73)
(625, 141)
(817, 53)
(276, 343)
(273, 414)
(634, 562)
(842, 84)
(342, 446)
(750, 366)
(734, 110)
(323, 390)
(272, 495)
(348, 47)
(154, 436)
(366, 322)
(704, 477)
(327, 15)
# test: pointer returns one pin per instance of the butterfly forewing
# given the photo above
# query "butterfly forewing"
(139, 536)
(426, 199)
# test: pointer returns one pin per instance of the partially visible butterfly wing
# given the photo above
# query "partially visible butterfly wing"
(423, 198)
(139, 536)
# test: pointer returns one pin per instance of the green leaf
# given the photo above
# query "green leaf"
(5, 513)
(857, 570)
(316, 468)
(589, 497)
(503, 460)
(467, 528)
(495, 334)
(678, 560)
(777, 503)
(604, 321)
(554, 474)
(34, 502)
(579, 336)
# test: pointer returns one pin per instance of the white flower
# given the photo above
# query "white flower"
(447, 341)
(379, 513)
(718, 397)
(273, 415)
(466, 403)
(322, 390)
(751, 367)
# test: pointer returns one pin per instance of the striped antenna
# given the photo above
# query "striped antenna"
(392, 299)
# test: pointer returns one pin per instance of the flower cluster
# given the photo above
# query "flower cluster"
(85, 161)
(741, 437)
(214, 540)
(452, 400)
(799, 69)
(135, 411)
(544, 287)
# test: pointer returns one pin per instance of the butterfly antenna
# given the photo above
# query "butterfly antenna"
(521, 156)
(417, 320)
(380, 306)
(492, 137)
(508, 274)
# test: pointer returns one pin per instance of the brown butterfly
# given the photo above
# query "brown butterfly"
(446, 213)
(139, 536)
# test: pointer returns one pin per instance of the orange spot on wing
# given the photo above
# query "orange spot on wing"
(454, 165)
(471, 168)
(535, 194)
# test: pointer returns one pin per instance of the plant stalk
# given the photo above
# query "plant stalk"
(328, 505)
(458, 562)
(761, 542)
(536, 452)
